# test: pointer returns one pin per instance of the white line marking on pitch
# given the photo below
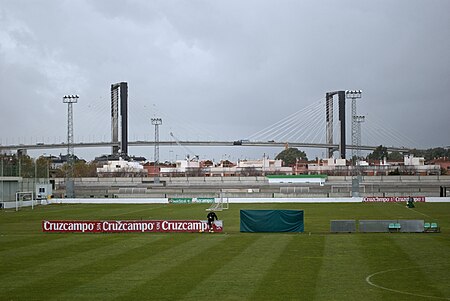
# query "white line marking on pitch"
(414, 210)
(397, 291)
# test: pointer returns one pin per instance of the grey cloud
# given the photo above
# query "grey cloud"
(235, 66)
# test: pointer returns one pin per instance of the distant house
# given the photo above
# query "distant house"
(226, 168)
(121, 168)
(443, 163)
(57, 162)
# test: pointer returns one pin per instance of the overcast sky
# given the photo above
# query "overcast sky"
(220, 69)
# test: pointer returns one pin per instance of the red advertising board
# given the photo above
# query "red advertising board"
(130, 226)
(393, 199)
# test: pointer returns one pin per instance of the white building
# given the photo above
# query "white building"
(335, 162)
(243, 167)
(253, 167)
(181, 166)
(265, 165)
(121, 168)
(414, 161)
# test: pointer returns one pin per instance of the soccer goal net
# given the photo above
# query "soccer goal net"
(24, 199)
(219, 204)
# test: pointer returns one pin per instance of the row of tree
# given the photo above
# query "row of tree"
(27, 167)
(291, 155)
(381, 152)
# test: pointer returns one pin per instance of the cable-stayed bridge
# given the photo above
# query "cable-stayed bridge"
(196, 143)
(310, 127)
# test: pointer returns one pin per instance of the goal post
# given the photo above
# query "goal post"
(219, 204)
(23, 198)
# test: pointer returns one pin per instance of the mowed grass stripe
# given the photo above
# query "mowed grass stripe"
(40, 243)
(84, 276)
(293, 276)
(81, 212)
(33, 264)
(21, 258)
(14, 242)
(242, 274)
(100, 211)
(429, 277)
(188, 273)
(340, 262)
(135, 278)
(56, 211)
(384, 254)
(113, 211)
(344, 269)
(36, 277)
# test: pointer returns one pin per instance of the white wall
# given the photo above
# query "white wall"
(230, 200)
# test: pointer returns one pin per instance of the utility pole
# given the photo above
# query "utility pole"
(358, 119)
(70, 99)
(156, 122)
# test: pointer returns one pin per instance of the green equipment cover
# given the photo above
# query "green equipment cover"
(272, 221)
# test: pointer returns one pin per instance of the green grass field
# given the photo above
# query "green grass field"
(314, 265)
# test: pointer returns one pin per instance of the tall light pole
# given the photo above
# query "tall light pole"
(329, 121)
(70, 100)
(358, 119)
(353, 95)
(156, 122)
(3, 188)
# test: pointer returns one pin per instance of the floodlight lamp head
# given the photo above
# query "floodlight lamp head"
(156, 121)
(353, 93)
(70, 98)
(359, 118)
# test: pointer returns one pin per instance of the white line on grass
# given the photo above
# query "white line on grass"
(414, 210)
(420, 212)
(397, 291)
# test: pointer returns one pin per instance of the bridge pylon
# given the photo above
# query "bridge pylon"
(330, 120)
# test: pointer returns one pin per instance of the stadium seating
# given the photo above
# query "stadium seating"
(394, 227)
(431, 227)
(434, 227)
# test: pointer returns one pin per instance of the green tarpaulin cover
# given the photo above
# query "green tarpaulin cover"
(272, 221)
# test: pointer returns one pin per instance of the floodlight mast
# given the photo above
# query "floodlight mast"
(70, 100)
(329, 121)
(353, 95)
(156, 122)
(356, 139)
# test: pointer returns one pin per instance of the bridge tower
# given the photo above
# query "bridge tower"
(329, 122)
(119, 101)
